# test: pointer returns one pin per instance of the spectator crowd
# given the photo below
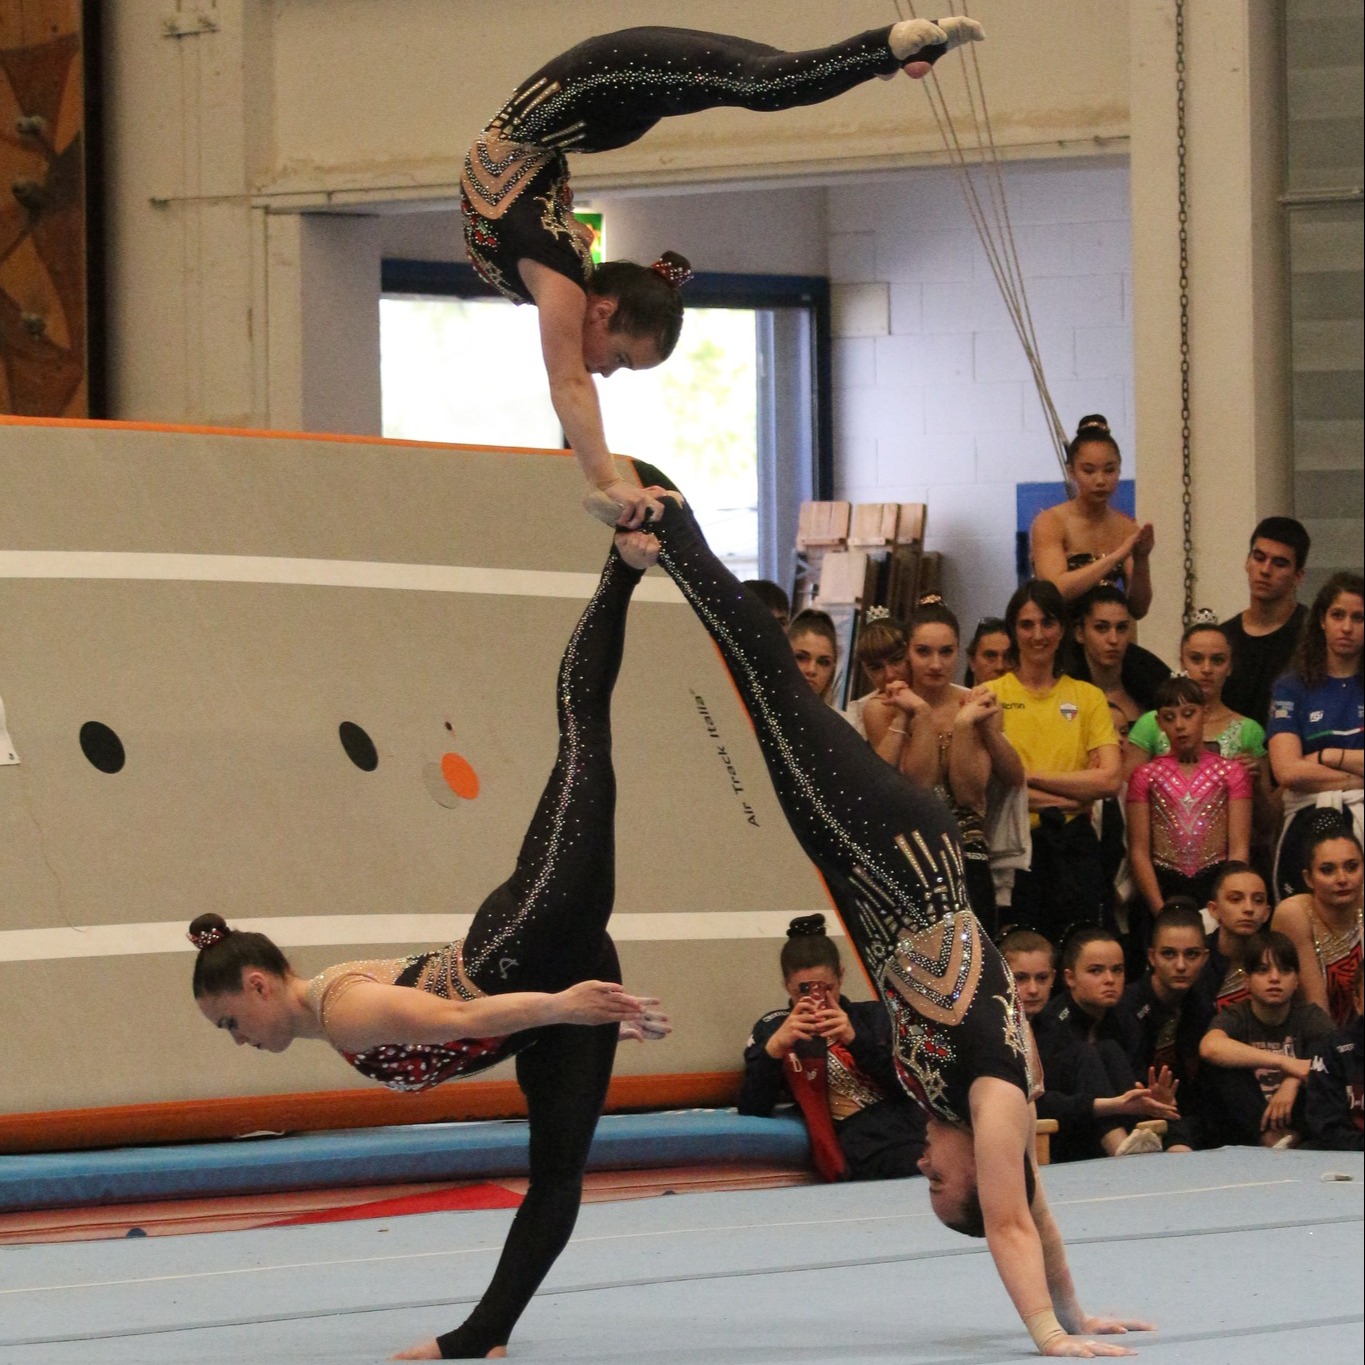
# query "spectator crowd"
(1169, 859)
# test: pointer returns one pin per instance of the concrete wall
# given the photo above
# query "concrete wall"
(228, 306)
(942, 408)
(220, 136)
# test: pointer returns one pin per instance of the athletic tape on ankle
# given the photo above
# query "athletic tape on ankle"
(1043, 1328)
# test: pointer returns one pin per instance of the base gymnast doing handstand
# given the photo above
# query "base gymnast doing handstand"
(605, 93)
(888, 851)
(524, 980)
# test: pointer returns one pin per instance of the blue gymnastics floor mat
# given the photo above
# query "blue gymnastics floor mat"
(421, 1152)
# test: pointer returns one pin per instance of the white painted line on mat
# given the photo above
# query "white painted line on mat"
(312, 931)
(313, 573)
(705, 1230)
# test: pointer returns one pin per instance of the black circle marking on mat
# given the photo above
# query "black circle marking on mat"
(102, 746)
(359, 746)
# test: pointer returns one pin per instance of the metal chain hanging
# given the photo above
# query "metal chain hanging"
(1186, 464)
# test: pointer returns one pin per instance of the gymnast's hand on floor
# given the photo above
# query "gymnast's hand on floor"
(653, 1026)
(601, 1002)
(1081, 1326)
(1082, 1348)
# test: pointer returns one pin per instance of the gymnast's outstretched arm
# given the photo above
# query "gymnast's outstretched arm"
(1024, 1241)
(369, 1014)
(563, 308)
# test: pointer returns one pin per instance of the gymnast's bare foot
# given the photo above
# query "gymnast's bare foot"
(429, 1350)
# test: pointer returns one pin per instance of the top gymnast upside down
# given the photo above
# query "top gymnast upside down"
(889, 853)
(606, 93)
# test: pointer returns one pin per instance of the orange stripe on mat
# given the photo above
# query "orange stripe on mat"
(335, 438)
(65, 1130)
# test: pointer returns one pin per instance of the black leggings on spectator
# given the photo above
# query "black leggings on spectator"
(545, 929)
(1065, 885)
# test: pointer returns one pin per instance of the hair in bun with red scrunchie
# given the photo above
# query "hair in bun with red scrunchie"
(676, 269)
(225, 953)
(648, 298)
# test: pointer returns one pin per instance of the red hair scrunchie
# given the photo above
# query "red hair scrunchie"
(675, 273)
(206, 938)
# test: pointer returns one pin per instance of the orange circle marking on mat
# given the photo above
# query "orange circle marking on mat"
(459, 776)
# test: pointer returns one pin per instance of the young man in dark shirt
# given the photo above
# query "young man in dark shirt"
(1264, 635)
(1164, 1018)
(1259, 1051)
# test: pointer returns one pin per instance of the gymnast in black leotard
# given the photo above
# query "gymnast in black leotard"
(605, 93)
(888, 851)
(535, 968)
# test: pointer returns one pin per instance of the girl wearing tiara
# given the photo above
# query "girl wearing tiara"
(606, 93)
(532, 978)
(1084, 542)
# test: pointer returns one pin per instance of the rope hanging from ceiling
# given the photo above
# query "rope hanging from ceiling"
(976, 162)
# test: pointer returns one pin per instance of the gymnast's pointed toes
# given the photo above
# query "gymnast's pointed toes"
(911, 35)
(957, 30)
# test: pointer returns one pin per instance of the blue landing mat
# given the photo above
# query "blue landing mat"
(378, 1156)
(1244, 1257)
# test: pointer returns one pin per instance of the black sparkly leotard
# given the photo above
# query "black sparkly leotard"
(543, 929)
(887, 848)
(608, 92)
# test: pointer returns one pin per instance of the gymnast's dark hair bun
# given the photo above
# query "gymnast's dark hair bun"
(208, 930)
(225, 953)
(1093, 426)
(804, 926)
(648, 298)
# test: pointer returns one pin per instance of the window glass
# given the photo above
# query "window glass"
(468, 371)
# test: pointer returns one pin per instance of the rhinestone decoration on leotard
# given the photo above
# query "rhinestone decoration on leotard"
(563, 816)
(1338, 953)
(541, 120)
(942, 886)
(1189, 815)
(408, 1066)
(852, 1088)
(556, 217)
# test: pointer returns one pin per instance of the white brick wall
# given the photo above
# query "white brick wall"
(944, 409)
